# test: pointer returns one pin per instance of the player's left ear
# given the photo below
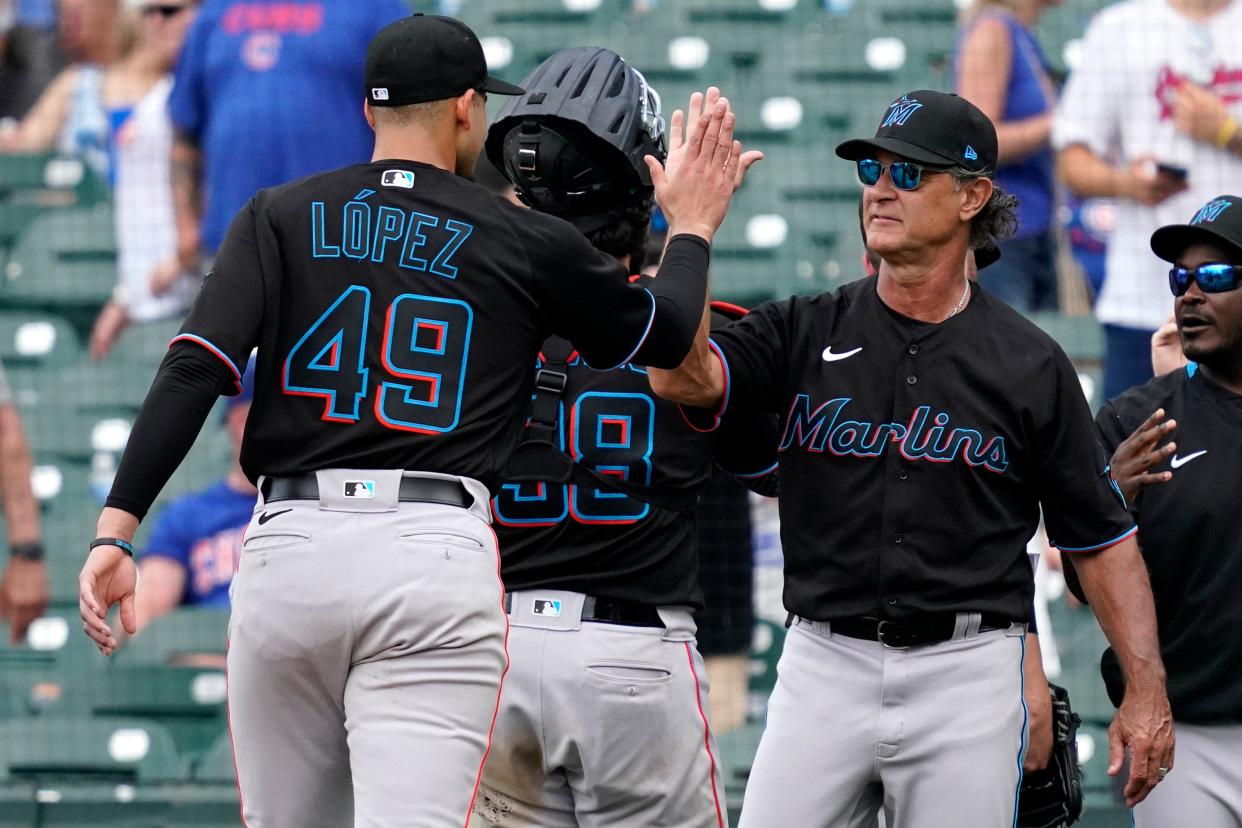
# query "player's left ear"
(463, 107)
(973, 196)
(368, 114)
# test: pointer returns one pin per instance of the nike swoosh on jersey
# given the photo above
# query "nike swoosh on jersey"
(266, 516)
(829, 356)
(1178, 462)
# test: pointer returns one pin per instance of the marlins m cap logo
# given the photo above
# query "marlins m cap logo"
(398, 178)
(1211, 211)
(900, 111)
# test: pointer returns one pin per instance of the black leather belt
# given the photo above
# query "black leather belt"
(609, 611)
(898, 635)
(412, 490)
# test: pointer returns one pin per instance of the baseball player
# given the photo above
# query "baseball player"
(602, 718)
(397, 309)
(925, 423)
(1189, 527)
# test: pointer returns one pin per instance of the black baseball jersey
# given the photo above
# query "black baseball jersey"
(398, 309)
(915, 456)
(604, 543)
(1190, 530)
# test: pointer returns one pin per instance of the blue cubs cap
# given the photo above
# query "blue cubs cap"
(936, 129)
(1218, 222)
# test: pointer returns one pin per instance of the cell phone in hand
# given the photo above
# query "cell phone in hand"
(1172, 170)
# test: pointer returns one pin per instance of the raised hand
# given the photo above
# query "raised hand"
(704, 166)
(1137, 455)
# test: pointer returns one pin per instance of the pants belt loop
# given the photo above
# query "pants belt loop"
(967, 625)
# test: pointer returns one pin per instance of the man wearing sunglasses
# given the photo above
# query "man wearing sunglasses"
(1180, 494)
(925, 425)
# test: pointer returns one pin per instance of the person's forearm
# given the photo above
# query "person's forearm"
(21, 510)
(699, 380)
(1018, 140)
(679, 291)
(1090, 176)
(187, 178)
(1116, 584)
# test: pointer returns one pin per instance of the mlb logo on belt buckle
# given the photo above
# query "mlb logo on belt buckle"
(398, 178)
(547, 607)
(364, 489)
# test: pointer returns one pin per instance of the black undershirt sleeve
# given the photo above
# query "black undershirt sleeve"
(679, 290)
(185, 388)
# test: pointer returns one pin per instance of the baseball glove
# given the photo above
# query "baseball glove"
(1052, 797)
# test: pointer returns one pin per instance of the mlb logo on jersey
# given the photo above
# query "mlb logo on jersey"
(398, 178)
(547, 607)
(361, 489)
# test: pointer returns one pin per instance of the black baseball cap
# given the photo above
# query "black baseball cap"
(426, 57)
(935, 129)
(1218, 222)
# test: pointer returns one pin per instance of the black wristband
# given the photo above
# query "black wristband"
(28, 551)
(125, 546)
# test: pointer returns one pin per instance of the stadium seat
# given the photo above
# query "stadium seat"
(36, 340)
(64, 260)
(187, 701)
(68, 747)
(217, 765)
(185, 636)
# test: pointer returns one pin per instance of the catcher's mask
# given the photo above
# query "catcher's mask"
(573, 145)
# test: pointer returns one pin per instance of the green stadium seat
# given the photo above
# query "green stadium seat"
(64, 259)
(189, 635)
(36, 340)
(737, 754)
(81, 747)
(188, 702)
(217, 765)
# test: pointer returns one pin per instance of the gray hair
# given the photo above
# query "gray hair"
(998, 220)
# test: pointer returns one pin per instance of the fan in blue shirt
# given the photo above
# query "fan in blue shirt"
(267, 91)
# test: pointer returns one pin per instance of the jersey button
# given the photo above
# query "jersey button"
(897, 538)
(911, 379)
(892, 602)
(914, 348)
(902, 474)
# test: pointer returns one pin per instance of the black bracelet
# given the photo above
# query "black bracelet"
(125, 545)
(28, 551)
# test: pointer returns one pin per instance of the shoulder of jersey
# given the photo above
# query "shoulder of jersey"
(1136, 404)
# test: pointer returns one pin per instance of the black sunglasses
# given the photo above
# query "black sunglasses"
(1212, 278)
(164, 10)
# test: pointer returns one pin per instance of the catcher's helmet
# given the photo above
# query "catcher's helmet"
(573, 145)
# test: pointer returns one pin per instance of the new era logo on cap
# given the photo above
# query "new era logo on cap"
(970, 154)
(398, 178)
(900, 111)
(364, 489)
(1211, 211)
(547, 607)
(379, 93)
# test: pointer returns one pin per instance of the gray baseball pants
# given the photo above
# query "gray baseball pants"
(366, 649)
(601, 725)
(1204, 788)
(932, 735)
